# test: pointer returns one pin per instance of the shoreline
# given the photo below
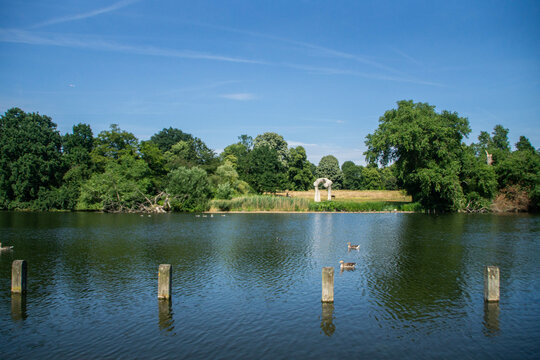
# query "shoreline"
(305, 212)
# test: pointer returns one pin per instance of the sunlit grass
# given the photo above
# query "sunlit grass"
(356, 195)
(282, 203)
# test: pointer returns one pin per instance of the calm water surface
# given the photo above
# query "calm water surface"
(249, 286)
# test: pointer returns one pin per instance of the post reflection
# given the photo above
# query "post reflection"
(18, 307)
(327, 319)
(165, 316)
(491, 318)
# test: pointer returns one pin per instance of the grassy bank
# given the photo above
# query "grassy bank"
(281, 203)
(364, 206)
(355, 195)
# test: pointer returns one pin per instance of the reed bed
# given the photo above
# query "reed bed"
(260, 203)
(281, 203)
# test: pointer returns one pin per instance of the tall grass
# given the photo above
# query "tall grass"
(278, 203)
(357, 206)
(261, 203)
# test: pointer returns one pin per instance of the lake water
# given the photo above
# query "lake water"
(248, 286)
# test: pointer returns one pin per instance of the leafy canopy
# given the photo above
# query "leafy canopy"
(30, 156)
(427, 149)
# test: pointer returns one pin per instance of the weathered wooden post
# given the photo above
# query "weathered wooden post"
(164, 281)
(491, 283)
(18, 276)
(328, 284)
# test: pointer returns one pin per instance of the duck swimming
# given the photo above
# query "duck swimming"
(353, 247)
(347, 265)
(5, 248)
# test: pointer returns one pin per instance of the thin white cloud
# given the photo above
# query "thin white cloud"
(239, 96)
(93, 43)
(334, 71)
(71, 85)
(324, 51)
(25, 37)
(85, 15)
(408, 57)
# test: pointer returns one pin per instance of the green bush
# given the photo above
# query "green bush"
(224, 191)
(189, 189)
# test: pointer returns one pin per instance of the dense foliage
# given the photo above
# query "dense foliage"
(414, 148)
(438, 169)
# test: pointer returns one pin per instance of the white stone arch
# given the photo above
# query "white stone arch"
(327, 183)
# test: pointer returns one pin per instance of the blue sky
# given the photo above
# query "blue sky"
(320, 73)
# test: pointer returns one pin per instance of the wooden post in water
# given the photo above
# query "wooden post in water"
(491, 283)
(18, 276)
(328, 284)
(164, 281)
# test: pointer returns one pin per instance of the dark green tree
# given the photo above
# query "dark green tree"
(478, 180)
(372, 178)
(30, 157)
(77, 148)
(500, 138)
(299, 172)
(264, 171)
(353, 178)
(166, 138)
(155, 159)
(524, 144)
(427, 150)
(389, 178)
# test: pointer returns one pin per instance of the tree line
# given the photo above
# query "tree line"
(414, 148)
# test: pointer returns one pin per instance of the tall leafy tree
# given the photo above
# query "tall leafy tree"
(191, 153)
(77, 148)
(353, 178)
(329, 168)
(123, 186)
(113, 144)
(264, 171)
(500, 138)
(372, 178)
(478, 179)
(524, 144)
(427, 149)
(30, 156)
(166, 138)
(273, 141)
(299, 172)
